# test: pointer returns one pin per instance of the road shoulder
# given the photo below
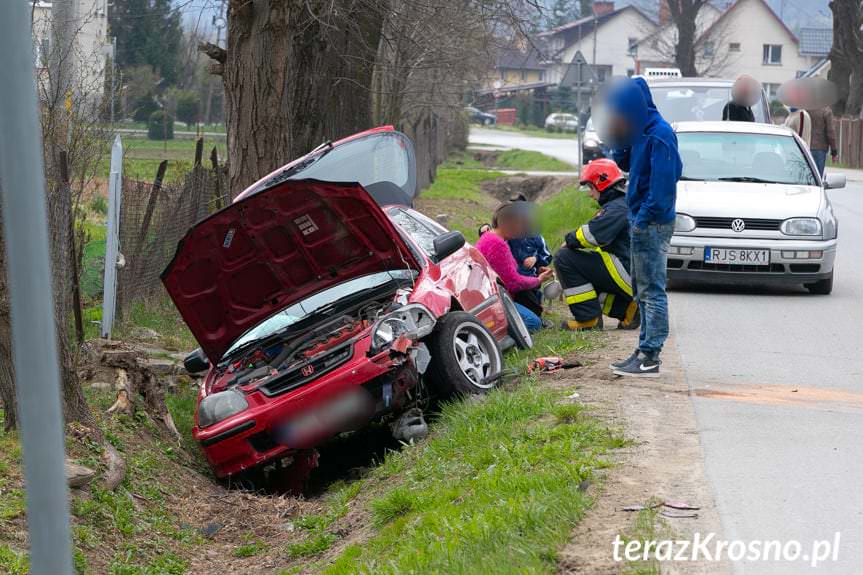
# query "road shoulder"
(665, 462)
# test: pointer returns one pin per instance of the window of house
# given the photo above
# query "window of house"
(734, 47)
(523, 75)
(708, 49)
(772, 54)
(632, 48)
(602, 73)
(772, 90)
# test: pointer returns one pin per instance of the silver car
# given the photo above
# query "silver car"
(751, 207)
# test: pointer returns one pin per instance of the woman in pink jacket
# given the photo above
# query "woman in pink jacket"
(508, 224)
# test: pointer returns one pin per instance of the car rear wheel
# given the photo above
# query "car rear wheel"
(516, 329)
(465, 356)
(821, 287)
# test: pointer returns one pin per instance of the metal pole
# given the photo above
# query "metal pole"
(112, 240)
(37, 375)
(113, 76)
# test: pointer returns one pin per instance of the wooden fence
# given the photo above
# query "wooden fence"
(849, 138)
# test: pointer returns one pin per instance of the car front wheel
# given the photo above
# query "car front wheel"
(821, 287)
(466, 359)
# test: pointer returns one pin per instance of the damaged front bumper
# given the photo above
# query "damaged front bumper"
(284, 417)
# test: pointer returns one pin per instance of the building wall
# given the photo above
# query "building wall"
(612, 45)
(511, 77)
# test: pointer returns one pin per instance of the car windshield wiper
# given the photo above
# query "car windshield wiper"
(690, 179)
(751, 179)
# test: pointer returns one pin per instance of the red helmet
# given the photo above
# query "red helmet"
(602, 174)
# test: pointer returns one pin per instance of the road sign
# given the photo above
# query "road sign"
(579, 73)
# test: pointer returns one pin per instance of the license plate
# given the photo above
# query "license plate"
(736, 256)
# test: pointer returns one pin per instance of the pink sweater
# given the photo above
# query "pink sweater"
(496, 251)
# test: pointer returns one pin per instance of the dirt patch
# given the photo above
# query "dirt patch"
(533, 188)
(664, 463)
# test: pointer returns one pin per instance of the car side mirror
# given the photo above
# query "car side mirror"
(834, 181)
(196, 362)
(447, 244)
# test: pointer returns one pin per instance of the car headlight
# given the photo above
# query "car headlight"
(801, 227)
(220, 406)
(414, 320)
(683, 223)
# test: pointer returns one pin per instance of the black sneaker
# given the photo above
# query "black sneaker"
(642, 366)
(625, 362)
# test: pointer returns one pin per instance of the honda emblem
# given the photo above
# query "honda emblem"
(307, 370)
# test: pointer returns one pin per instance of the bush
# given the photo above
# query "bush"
(144, 108)
(188, 106)
(99, 205)
(160, 127)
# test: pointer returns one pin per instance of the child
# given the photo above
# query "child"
(531, 253)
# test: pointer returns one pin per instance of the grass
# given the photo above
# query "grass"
(563, 213)
(647, 526)
(142, 156)
(535, 131)
(530, 160)
(494, 490)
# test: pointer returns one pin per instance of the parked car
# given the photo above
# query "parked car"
(322, 302)
(477, 116)
(561, 122)
(592, 147)
(698, 99)
(752, 208)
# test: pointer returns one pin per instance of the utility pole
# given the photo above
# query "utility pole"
(37, 375)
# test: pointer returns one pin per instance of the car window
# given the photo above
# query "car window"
(420, 232)
(729, 156)
(695, 103)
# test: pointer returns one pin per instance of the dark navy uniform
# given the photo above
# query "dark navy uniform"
(593, 268)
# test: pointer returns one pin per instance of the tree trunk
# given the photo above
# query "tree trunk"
(684, 14)
(293, 79)
(846, 56)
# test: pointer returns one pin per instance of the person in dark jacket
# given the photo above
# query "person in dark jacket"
(744, 94)
(593, 264)
(645, 145)
(531, 253)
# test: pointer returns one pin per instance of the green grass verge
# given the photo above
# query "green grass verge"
(530, 160)
(495, 489)
(563, 213)
(535, 131)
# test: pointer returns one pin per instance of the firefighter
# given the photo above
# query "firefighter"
(593, 264)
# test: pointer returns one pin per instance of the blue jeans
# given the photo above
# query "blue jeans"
(820, 157)
(531, 320)
(649, 275)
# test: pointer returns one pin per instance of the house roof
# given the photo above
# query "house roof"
(720, 21)
(583, 25)
(816, 69)
(815, 41)
(515, 57)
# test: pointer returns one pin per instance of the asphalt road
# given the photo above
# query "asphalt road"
(781, 405)
(778, 394)
(565, 150)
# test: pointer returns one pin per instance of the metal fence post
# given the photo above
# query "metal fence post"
(34, 336)
(112, 243)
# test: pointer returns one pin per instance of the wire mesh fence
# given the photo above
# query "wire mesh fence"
(154, 217)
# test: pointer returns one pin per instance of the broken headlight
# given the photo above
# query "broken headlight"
(414, 320)
(220, 406)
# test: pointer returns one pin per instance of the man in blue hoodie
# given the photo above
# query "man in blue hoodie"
(645, 145)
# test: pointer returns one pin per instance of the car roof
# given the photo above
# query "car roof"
(671, 82)
(733, 127)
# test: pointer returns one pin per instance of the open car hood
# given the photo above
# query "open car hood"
(274, 248)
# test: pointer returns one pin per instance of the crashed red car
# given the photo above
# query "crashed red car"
(322, 302)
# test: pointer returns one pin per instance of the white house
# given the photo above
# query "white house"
(747, 38)
(607, 40)
(89, 52)
(657, 50)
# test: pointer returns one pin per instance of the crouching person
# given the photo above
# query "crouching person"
(593, 265)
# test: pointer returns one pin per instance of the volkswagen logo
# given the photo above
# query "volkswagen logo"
(738, 225)
(307, 370)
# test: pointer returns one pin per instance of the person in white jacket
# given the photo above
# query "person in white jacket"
(799, 121)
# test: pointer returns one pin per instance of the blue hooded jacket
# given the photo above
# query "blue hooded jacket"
(650, 156)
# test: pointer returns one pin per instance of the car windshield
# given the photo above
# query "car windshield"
(729, 156)
(315, 303)
(695, 103)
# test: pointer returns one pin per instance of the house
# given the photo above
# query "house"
(607, 40)
(816, 43)
(657, 50)
(748, 38)
(89, 53)
(517, 63)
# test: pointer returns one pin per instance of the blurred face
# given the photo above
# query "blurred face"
(618, 128)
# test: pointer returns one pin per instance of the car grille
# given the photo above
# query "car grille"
(756, 224)
(300, 374)
(704, 266)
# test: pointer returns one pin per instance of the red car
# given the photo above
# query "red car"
(322, 301)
